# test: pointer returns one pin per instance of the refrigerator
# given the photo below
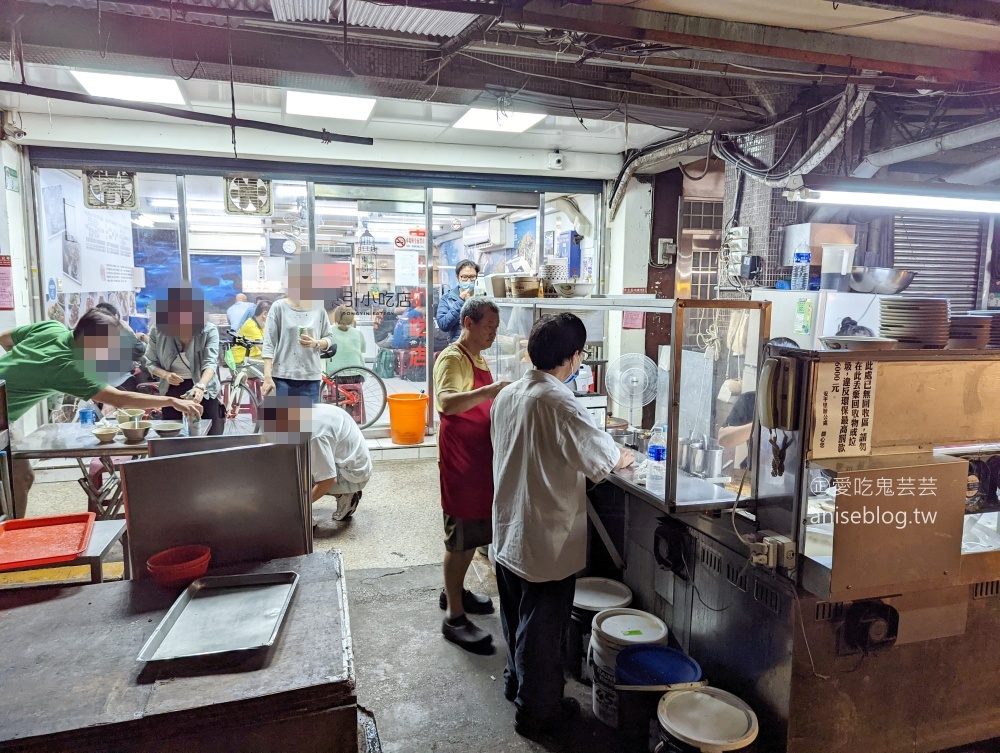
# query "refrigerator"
(807, 315)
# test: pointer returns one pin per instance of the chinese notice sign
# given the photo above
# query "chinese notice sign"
(843, 409)
(6, 284)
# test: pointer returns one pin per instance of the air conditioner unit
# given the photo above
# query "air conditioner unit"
(489, 235)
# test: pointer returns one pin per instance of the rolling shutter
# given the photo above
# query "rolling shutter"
(947, 252)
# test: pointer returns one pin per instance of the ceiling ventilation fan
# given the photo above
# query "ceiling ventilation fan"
(249, 197)
(109, 189)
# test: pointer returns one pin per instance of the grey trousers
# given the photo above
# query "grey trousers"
(534, 617)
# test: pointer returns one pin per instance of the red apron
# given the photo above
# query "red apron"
(465, 456)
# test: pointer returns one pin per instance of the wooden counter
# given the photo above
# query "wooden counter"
(71, 681)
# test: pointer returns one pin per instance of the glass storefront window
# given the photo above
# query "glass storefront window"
(88, 254)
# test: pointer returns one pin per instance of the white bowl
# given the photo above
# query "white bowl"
(573, 289)
(858, 343)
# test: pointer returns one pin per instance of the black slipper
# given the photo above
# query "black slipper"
(471, 603)
(465, 634)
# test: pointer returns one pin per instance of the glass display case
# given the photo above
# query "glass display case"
(714, 363)
(707, 408)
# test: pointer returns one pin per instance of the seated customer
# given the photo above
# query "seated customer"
(411, 326)
(252, 330)
(338, 454)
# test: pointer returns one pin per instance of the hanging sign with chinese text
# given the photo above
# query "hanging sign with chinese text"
(843, 409)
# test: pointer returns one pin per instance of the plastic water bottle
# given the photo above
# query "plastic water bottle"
(656, 467)
(87, 414)
(800, 269)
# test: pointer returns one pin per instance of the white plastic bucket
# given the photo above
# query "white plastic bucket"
(611, 631)
(592, 596)
(707, 720)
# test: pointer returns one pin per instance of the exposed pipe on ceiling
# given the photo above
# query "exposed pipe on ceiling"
(569, 207)
(926, 148)
(231, 122)
(655, 155)
(984, 171)
(871, 164)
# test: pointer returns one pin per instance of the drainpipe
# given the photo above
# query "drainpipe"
(568, 207)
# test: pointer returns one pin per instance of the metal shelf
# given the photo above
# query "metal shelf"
(613, 303)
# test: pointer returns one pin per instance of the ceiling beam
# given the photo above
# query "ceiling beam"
(56, 36)
(975, 11)
(818, 48)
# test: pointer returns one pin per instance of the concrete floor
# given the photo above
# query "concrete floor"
(426, 694)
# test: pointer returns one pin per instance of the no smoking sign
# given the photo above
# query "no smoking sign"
(400, 241)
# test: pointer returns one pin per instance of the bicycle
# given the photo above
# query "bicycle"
(358, 390)
(241, 392)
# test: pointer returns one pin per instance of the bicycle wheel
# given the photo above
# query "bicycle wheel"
(243, 417)
(359, 391)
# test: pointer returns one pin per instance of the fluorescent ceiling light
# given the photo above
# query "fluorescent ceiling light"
(489, 119)
(934, 197)
(328, 105)
(157, 91)
(143, 220)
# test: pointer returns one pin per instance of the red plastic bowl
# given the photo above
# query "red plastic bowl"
(179, 566)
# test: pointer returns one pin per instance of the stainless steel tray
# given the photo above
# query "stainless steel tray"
(219, 614)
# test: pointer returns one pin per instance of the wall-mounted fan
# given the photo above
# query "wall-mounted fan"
(249, 197)
(631, 382)
(109, 189)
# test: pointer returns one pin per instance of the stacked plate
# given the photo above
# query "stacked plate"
(915, 322)
(970, 331)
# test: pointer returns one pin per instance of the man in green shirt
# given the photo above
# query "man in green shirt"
(47, 358)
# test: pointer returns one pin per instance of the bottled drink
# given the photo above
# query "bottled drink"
(87, 414)
(656, 467)
(800, 269)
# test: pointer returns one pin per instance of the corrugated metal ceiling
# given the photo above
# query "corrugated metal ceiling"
(433, 23)
(400, 18)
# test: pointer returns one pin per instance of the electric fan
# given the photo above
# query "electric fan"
(631, 382)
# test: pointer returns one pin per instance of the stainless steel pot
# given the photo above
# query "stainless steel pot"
(642, 438)
(624, 437)
(712, 461)
(696, 456)
(683, 453)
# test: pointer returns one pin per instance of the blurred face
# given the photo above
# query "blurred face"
(484, 332)
(313, 280)
(287, 420)
(181, 313)
(106, 356)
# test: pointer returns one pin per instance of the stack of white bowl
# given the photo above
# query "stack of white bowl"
(915, 322)
(970, 332)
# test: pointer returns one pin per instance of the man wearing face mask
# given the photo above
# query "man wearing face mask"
(545, 447)
(47, 358)
(449, 310)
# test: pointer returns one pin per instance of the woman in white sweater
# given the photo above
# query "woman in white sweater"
(296, 333)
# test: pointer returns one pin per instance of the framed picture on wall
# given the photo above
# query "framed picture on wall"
(55, 213)
(71, 259)
(69, 220)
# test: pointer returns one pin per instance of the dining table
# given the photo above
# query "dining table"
(75, 441)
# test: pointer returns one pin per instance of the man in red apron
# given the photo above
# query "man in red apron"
(464, 392)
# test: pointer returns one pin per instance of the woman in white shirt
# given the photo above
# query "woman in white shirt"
(297, 332)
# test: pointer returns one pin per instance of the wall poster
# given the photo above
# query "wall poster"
(88, 252)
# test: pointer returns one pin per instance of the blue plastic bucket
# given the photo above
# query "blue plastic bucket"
(653, 666)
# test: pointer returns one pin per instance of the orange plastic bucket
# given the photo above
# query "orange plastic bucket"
(407, 417)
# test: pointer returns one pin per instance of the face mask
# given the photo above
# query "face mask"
(465, 286)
